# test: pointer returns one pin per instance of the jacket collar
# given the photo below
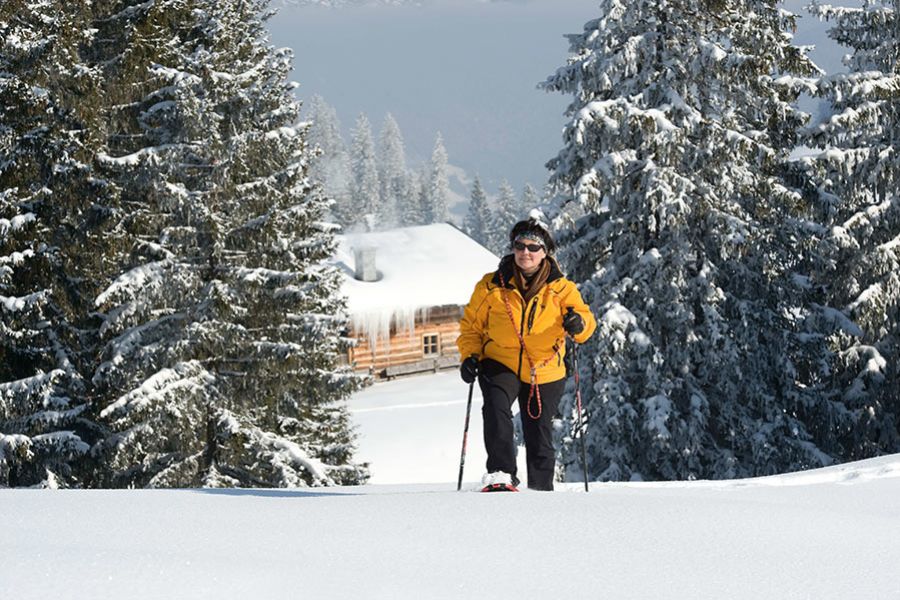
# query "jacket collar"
(508, 264)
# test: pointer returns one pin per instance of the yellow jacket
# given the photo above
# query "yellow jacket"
(487, 331)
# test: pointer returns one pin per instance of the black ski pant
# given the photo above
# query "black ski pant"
(500, 387)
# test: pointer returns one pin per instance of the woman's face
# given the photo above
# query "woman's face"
(528, 254)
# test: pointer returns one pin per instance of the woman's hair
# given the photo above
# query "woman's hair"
(533, 229)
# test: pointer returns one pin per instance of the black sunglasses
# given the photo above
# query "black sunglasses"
(531, 247)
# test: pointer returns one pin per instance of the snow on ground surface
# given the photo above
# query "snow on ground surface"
(411, 430)
(826, 534)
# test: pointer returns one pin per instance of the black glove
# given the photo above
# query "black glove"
(573, 323)
(469, 368)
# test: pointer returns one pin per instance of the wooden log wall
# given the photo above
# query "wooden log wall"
(406, 347)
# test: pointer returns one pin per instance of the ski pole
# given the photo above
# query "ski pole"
(582, 426)
(462, 456)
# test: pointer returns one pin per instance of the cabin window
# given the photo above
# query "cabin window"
(431, 344)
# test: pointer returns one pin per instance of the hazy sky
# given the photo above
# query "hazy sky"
(466, 68)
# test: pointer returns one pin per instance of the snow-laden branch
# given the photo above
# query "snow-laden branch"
(30, 386)
(183, 378)
(17, 223)
(21, 303)
(16, 258)
(130, 283)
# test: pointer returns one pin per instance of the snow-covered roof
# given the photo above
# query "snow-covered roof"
(419, 267)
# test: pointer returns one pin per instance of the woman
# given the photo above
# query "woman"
(513, 337)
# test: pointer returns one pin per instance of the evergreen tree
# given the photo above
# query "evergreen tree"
(438, 190)
(478, 217)
(530, 199)
(365, 189)
(421, 195)
(688, 244)
(855, 179)
(330, 168)
(412, 206)
(221, 332)
(391, 173)
(49, 207)
(505, 216)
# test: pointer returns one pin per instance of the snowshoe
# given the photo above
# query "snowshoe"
(499, 482)
(500, 487)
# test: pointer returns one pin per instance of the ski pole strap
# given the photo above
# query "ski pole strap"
(535, 390)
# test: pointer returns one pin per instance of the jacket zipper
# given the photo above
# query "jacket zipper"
(531, 314)
(522, 330)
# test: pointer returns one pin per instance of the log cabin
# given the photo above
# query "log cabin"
(406, 289)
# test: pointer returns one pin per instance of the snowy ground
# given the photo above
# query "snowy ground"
(411, 430)
(827, 534)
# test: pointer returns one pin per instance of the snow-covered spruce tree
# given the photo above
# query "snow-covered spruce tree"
(437, 192)
(223, 330)
(391, 173)
(505, 216)
(855, 179)
(412, 206)
(478, 217)
(687, 243)
(330, 168)
(365, 189)
(530, 199)
(50, 207)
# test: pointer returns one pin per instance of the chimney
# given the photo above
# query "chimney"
(364, 258)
